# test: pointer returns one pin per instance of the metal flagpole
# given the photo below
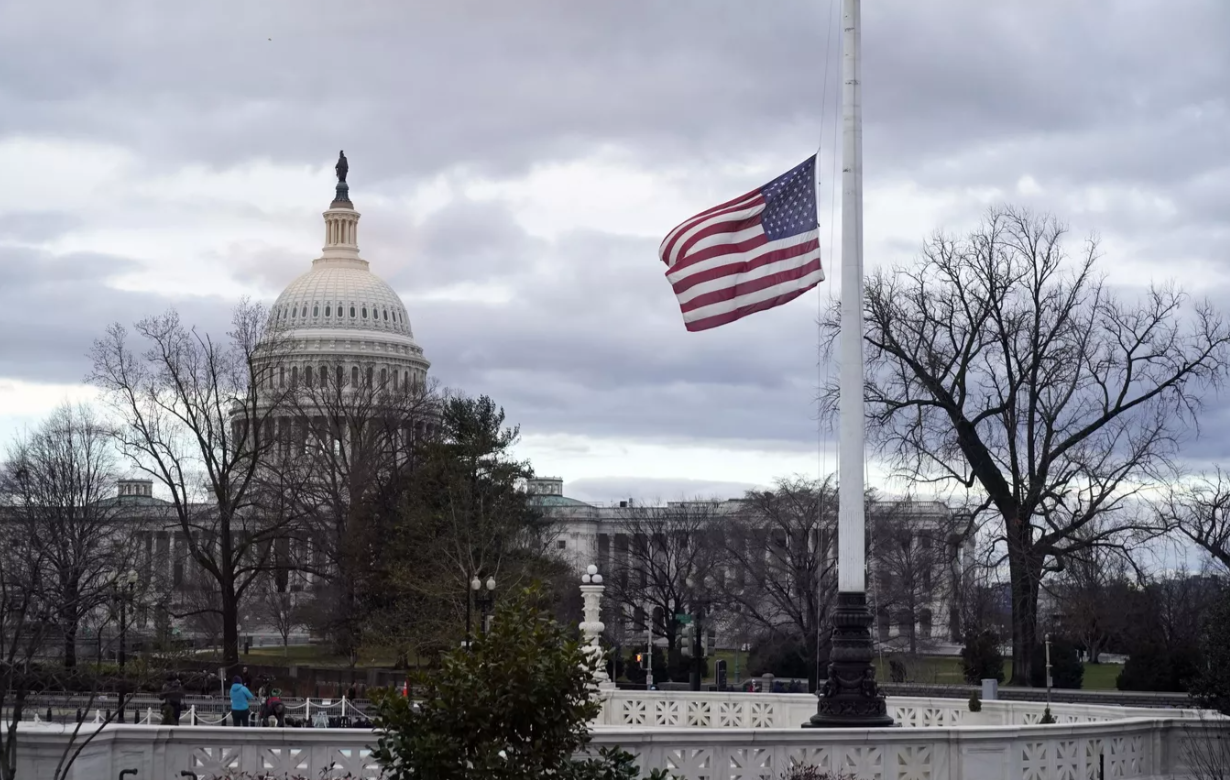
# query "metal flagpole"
(850, 697)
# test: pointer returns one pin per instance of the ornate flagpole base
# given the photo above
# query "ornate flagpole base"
(850, 697)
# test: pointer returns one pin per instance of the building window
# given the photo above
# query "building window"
(395, 379)
(384, 377)
(386, 315)
(281, 376)
(340, 376)
(924, 623)
(354, 376)
(307, 375)
(364, 312)
(324, 376)
(294, 376)
(294, 312)
(561, 544)
(328, 309)
(352, 312)
(368, 377)
(315, 309)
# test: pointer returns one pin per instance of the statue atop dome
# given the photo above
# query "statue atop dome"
(342, 198)
(342, 167)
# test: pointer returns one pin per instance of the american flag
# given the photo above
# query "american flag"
(749, 254)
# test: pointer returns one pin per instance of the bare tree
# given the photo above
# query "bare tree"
(351, 447)
(1090, 592)
(913, 548)
(60, 482)
(32, 610)
(1198, 509)
(278, 608)
(779, 566)
(1001, 364)
(664, 562)
(196, 415)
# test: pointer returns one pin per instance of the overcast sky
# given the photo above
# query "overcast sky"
(516, 165)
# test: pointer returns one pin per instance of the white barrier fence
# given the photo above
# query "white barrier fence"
(707, 737)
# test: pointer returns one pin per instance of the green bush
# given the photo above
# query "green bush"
(517, 707)
(1067, 671)
(975, 704)
(981, 659)
(1152, 667)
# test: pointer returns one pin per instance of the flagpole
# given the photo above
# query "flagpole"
(850, 697)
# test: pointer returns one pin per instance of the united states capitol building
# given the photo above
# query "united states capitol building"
(345, 326)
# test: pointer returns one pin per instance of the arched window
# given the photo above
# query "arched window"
(340, 376)
(386, 315)
(354, 376)
(352, 312)
(328, 310)
(384, 377)
(924, 623)
(364, 312)
(307, 375)
(324, 375)
(407, 380)
(294, 376)
(281, 376)
(395, 379)
(339, 308)
(315, 309)
(295, 312)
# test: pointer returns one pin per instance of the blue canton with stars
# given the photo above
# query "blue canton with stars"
(790, 202)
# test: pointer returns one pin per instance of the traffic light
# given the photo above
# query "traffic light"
(687, 640)
(640, 659)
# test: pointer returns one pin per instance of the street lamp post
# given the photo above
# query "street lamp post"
(485, 598)
(482, 600)
(124, 591)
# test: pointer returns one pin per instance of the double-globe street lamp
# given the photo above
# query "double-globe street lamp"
(124, 589)
(483, 598)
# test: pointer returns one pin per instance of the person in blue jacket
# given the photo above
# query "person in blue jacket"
(240, 696)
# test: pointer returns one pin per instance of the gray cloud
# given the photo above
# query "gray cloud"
(53, 307)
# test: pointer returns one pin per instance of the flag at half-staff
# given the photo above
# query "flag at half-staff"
(749, 254)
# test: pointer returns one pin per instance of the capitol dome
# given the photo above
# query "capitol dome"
(340, 317)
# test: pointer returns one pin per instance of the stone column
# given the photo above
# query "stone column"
(592, 626)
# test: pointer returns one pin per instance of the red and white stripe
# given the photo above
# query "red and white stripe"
(723, 267)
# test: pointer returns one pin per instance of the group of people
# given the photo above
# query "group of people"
(272, 709)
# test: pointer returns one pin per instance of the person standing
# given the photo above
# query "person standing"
(172, 702)
(240, 697)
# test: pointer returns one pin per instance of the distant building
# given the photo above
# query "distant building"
(588, 533)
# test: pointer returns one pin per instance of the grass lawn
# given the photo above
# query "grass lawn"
(946, 670)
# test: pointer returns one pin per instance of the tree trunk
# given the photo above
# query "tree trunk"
(70, 645)
(230, 627)
(1024, 575)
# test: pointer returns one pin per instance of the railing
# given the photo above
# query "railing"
(668, 709)
(1132, 749)
(210, 713)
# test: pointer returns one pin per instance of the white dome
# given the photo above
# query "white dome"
(340, 310)
(341, 298)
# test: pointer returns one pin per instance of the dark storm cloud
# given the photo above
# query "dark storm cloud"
(52, 308)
